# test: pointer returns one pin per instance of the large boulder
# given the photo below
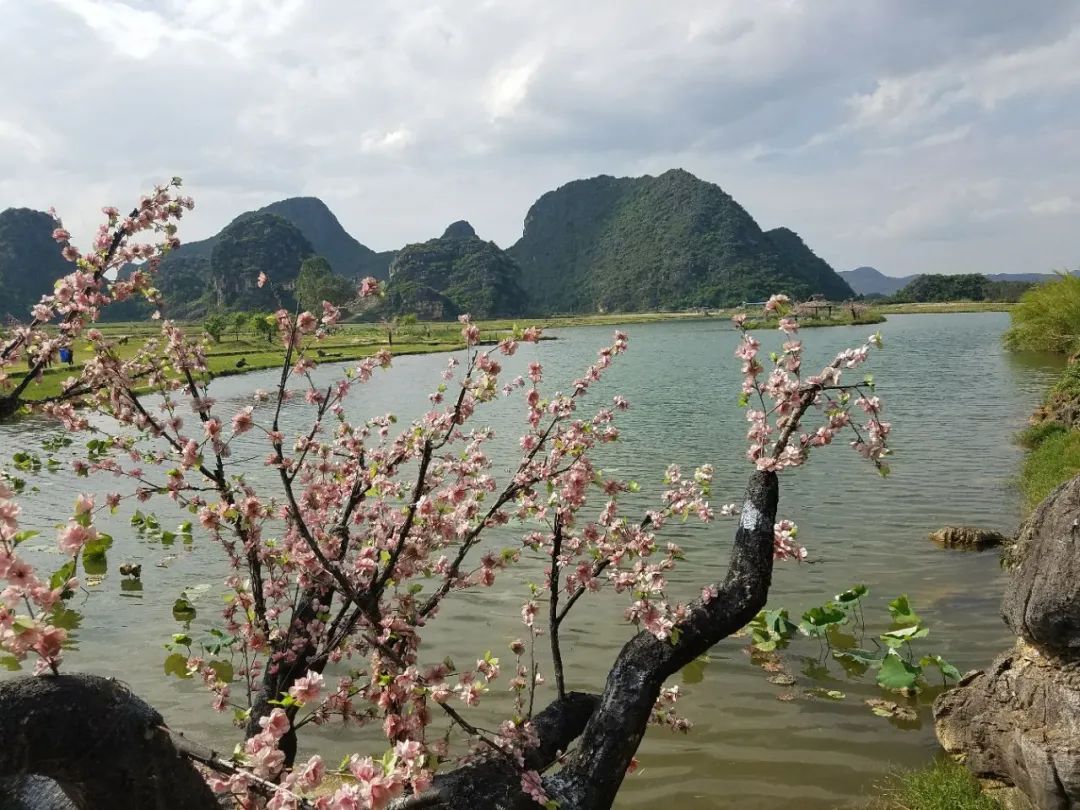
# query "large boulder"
(1018, 723)
(1042, 600)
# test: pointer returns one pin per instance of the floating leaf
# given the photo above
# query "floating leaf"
(694, 672)
(183, 610)
(782, 679)
(856, 661)
(891, 710)
(896, 674)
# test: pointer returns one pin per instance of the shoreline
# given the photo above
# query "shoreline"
(259, 357)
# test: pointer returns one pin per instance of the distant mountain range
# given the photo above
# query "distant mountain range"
(603, 244)
(871, 281)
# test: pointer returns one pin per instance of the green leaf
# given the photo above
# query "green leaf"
(223, 670)
(694, 672)
(947, 669)
(896, 674)
(901, 611)
(62, 575)
(818, 620)
(22, 537)
(896, 638)
(183, 610)
(176, 664)
(852, 595)
(182, 639)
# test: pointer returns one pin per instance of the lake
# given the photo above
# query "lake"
(955, 400)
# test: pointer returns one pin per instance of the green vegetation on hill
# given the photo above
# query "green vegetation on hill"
(193, 287)
(959, 287)
(317, 282)
(667, 242)
(30, 260)
(254, 243)
(458, 272)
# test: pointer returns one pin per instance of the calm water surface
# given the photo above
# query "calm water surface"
(955, 399)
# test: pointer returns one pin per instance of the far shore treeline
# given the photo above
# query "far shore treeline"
(602, 245)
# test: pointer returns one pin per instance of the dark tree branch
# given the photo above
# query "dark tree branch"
(554, 620)
(594, 774)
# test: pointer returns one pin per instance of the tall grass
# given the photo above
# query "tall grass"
(944, 785)
(1047, 317)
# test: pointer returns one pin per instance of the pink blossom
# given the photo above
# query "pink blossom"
(369, 286)
(242, 421)
(276, 724)
(73, 537)
(262, 279)
(306, 689)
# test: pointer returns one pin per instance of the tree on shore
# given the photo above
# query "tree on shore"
(341, 568)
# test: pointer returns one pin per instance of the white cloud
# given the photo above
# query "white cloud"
(867, 127)
(1055, 206)
(509, 87)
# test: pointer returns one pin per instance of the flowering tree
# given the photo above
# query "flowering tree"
(339, 570)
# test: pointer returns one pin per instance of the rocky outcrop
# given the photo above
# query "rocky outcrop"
(1042, 602)
(1018, 722)
(968, 537)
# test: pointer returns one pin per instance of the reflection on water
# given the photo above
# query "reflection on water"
(955, 399)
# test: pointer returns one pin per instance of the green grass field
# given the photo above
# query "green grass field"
(352, 341)
(246, 352)
(945, 307)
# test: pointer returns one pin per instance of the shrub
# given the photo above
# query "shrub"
(1047, 317)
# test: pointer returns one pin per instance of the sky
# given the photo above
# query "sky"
(917, 136)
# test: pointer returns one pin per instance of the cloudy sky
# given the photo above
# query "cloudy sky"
(913, 135)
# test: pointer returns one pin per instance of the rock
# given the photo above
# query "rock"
(1018, 723)
(968, 537)
(459, 230)
(1042, 599)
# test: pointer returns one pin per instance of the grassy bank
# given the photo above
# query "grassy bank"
(840, 319)
(944, 307)
(247, 353)
(1053, 440)
(1048, 319)
(943, 785)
